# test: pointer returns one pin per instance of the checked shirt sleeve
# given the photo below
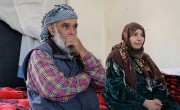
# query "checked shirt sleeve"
(94, 68)
(44, 77)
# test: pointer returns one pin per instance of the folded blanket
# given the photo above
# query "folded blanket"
(102, 101)
(13, 99)
(9, 93)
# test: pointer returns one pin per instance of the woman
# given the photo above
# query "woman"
(134, 80)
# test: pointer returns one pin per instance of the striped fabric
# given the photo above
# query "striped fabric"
(93, 68)
(58, 13)
(44, 77)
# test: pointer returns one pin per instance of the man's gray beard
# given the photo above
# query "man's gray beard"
(60, 42)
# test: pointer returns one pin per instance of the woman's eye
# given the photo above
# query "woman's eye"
(142, 35)
(135, 34)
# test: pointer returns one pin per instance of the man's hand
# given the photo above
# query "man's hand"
(79, 48)
(153, 104)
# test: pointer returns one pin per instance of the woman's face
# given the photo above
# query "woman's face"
(137, 39)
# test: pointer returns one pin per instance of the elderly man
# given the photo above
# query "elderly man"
(61, 74)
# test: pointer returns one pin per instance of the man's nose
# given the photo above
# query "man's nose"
(72, 31)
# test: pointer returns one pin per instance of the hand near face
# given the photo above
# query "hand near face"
(79, 48)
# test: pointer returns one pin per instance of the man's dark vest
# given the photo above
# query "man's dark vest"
(86, 100)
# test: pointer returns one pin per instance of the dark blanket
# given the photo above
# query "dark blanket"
(173, 84)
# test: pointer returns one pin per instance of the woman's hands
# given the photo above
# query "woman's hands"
(153, 104)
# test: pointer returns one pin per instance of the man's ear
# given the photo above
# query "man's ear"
(51, 29)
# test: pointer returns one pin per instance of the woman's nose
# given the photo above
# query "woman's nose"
(140, 37)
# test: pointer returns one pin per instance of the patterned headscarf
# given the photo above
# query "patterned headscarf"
(121, 55)
(58, 13)
(128, 31)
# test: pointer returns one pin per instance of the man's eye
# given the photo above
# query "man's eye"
(65, 26)
(75, 26)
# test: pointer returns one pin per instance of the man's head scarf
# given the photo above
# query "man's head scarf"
(58, 13)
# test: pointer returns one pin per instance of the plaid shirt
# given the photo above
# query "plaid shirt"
(44, 77)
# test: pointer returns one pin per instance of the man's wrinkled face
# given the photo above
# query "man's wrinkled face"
(62, 30)
(67, 28)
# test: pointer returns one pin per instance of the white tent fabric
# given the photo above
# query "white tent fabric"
(25, 16)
